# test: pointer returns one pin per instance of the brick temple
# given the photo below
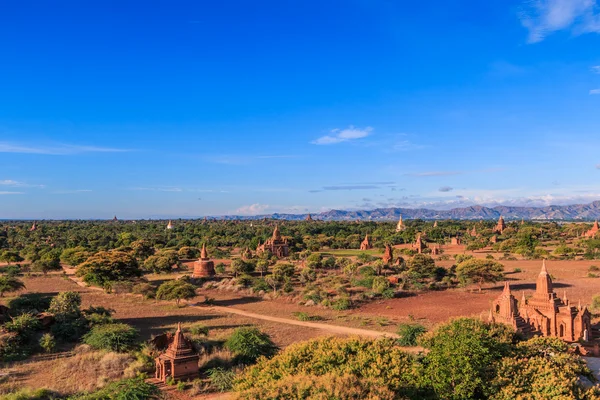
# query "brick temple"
(592, 232)
(276, 245)
(500, 226)
(366, 244)
(544, 313)
(179, 361)
(204, 267)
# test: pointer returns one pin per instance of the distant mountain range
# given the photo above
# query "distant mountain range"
(582, 212)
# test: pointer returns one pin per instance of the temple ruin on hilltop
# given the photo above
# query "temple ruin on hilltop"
(179, 360)
(500, 226)
(276, 245)
(308, 217)
(366, 244)
(204, 267)
(544, 313)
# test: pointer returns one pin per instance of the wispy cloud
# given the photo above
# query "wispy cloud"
(434, 173)
(237, 159)
(73, 191)
(596, 69)
(159, 189)
(9, 193)
(595, 91)
(446, 189)
(343, 135)
(55, 149)
(543, 17)
(357, 186)
(350, 187)
(10, 182)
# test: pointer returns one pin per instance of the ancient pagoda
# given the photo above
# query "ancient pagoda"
(308, 217)
(366, 244)
(544, 313)
(592, 232)
(33, 227)
(276, 245)
(419, 245)
(204, 267)
(388, 255)
(179, 361)
(170, 225)
(500, 226)
(400, 227)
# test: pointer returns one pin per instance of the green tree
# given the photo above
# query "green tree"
(10, 284)
(109, 266)
(239, 266)
(112, 337)
(422, 266)
(247, 344)
(47, 342)
(461, 358)
(478, 271)
(409, 333)
(175, 290)
(162, 261)
(48, 262)
(66, 306)
(74, 256)
(9, 256)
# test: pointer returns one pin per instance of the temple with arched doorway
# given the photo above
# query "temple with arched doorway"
(544, 313)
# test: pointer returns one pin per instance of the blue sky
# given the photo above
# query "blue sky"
(191, 108)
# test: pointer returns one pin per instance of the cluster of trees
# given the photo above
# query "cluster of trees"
(465, 359)
(39, 323)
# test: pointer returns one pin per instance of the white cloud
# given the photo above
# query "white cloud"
(595, 91)
(9, 193)
(343, 135)
(57, 149)
(543, 17)
(253, 209)
(596, 69)
(10, 182)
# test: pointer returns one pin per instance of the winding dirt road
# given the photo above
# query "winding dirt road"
(344, 330)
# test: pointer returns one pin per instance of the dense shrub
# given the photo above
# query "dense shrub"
(25, 326)
(113, 337)
(65, 306)
(10, 284)
(461, 355)
(108, 266)
(409, 333)
(248, 344)
(175, 290)
(47, 342)
(325, 387)
(221, 379)
(126, 389)
(32, 394)
(377, 363)
(29, 303)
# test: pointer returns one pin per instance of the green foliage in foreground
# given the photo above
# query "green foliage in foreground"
(31, 394)
(409, 333)
(126, 389)
(466, 359)
(248, 344)
(113, 337)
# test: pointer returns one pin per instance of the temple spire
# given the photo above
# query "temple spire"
(543, 284)
(203, 252)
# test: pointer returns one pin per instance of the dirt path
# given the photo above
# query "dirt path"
(344, 330)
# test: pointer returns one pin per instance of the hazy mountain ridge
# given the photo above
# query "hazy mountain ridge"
(568, 212)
